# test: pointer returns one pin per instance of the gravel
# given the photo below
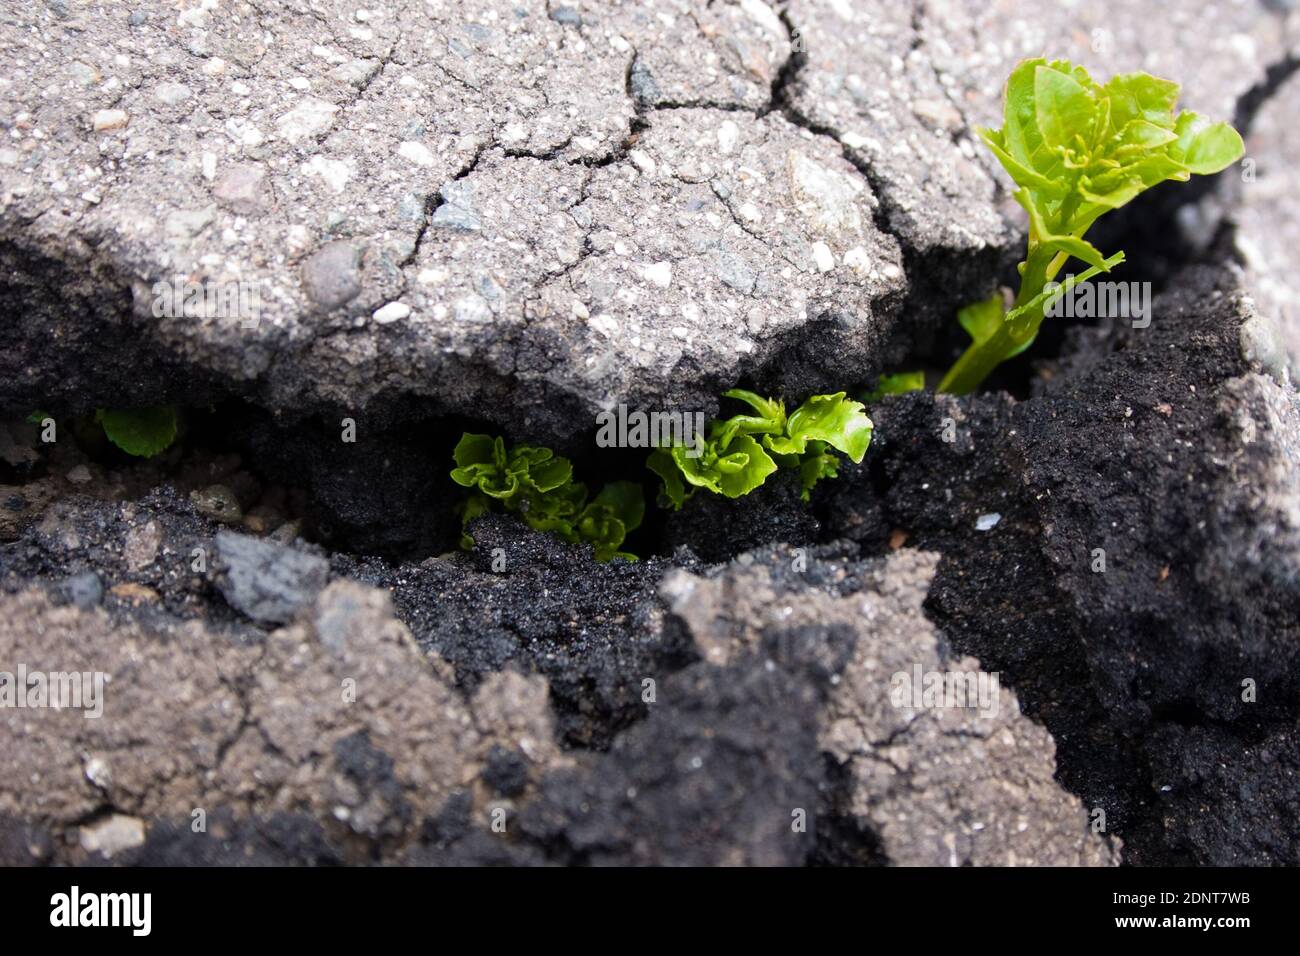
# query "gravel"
(268, 582)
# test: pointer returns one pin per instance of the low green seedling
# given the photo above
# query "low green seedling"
(896, 384)
(143, 432)
(537, 486)
(742, 451)
(1076, 150)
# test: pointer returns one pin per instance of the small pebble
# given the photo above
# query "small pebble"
(660, 273)
(219, 503)
(84, 590)
(392, 312)
(108, 119)
(823, 257)
(173, 94)
(417, 153)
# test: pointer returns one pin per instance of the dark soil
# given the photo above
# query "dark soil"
(547, 608)
(1137, 671)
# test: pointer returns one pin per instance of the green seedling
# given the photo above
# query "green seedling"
(895, 384)
(740, 452)
(143, 432)
(1076, 150)
(537, 485)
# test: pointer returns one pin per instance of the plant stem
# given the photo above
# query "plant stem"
(978, 361)
(981, 358)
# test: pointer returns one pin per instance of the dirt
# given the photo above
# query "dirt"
(1135, 671)
(1129, 447)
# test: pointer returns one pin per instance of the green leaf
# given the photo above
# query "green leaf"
(756, 466)
(770, 410)
(1206, 148)
(477, 450)
(1077, 150)
(835, 419)
(697, 471)
(1079, 248)
(672, 494)
(1145, 135)
(481, 460)
(1154, 168)
(1020, 174)
(743, 468)
(743, 450)
(817, 465)
(537, 485)
(610, 517)
(139, 431)
(1021, 137)
(493, 482)
(625, 501)
(1111, 196)
(562, 528)
(1063, 106)
(484, 463)
(1140, 96)
(896, 384)
(607, 552)
(550, 472)
(562, 504)
(769, 420)
(981, 319)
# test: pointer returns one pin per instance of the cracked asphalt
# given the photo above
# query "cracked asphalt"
(539, 209)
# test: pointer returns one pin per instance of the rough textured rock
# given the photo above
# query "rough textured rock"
(719, 773)
(726, 55)
(429, 200)
(937, 786)
(267, 581)
(531, 209)
(865, 79)
(727, 767)
(724, 236)
(82, 536)
(1266, 214)
(338, 718)
(1232, 43)
(334, 739)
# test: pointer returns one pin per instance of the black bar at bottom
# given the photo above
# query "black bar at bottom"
(334, 906)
